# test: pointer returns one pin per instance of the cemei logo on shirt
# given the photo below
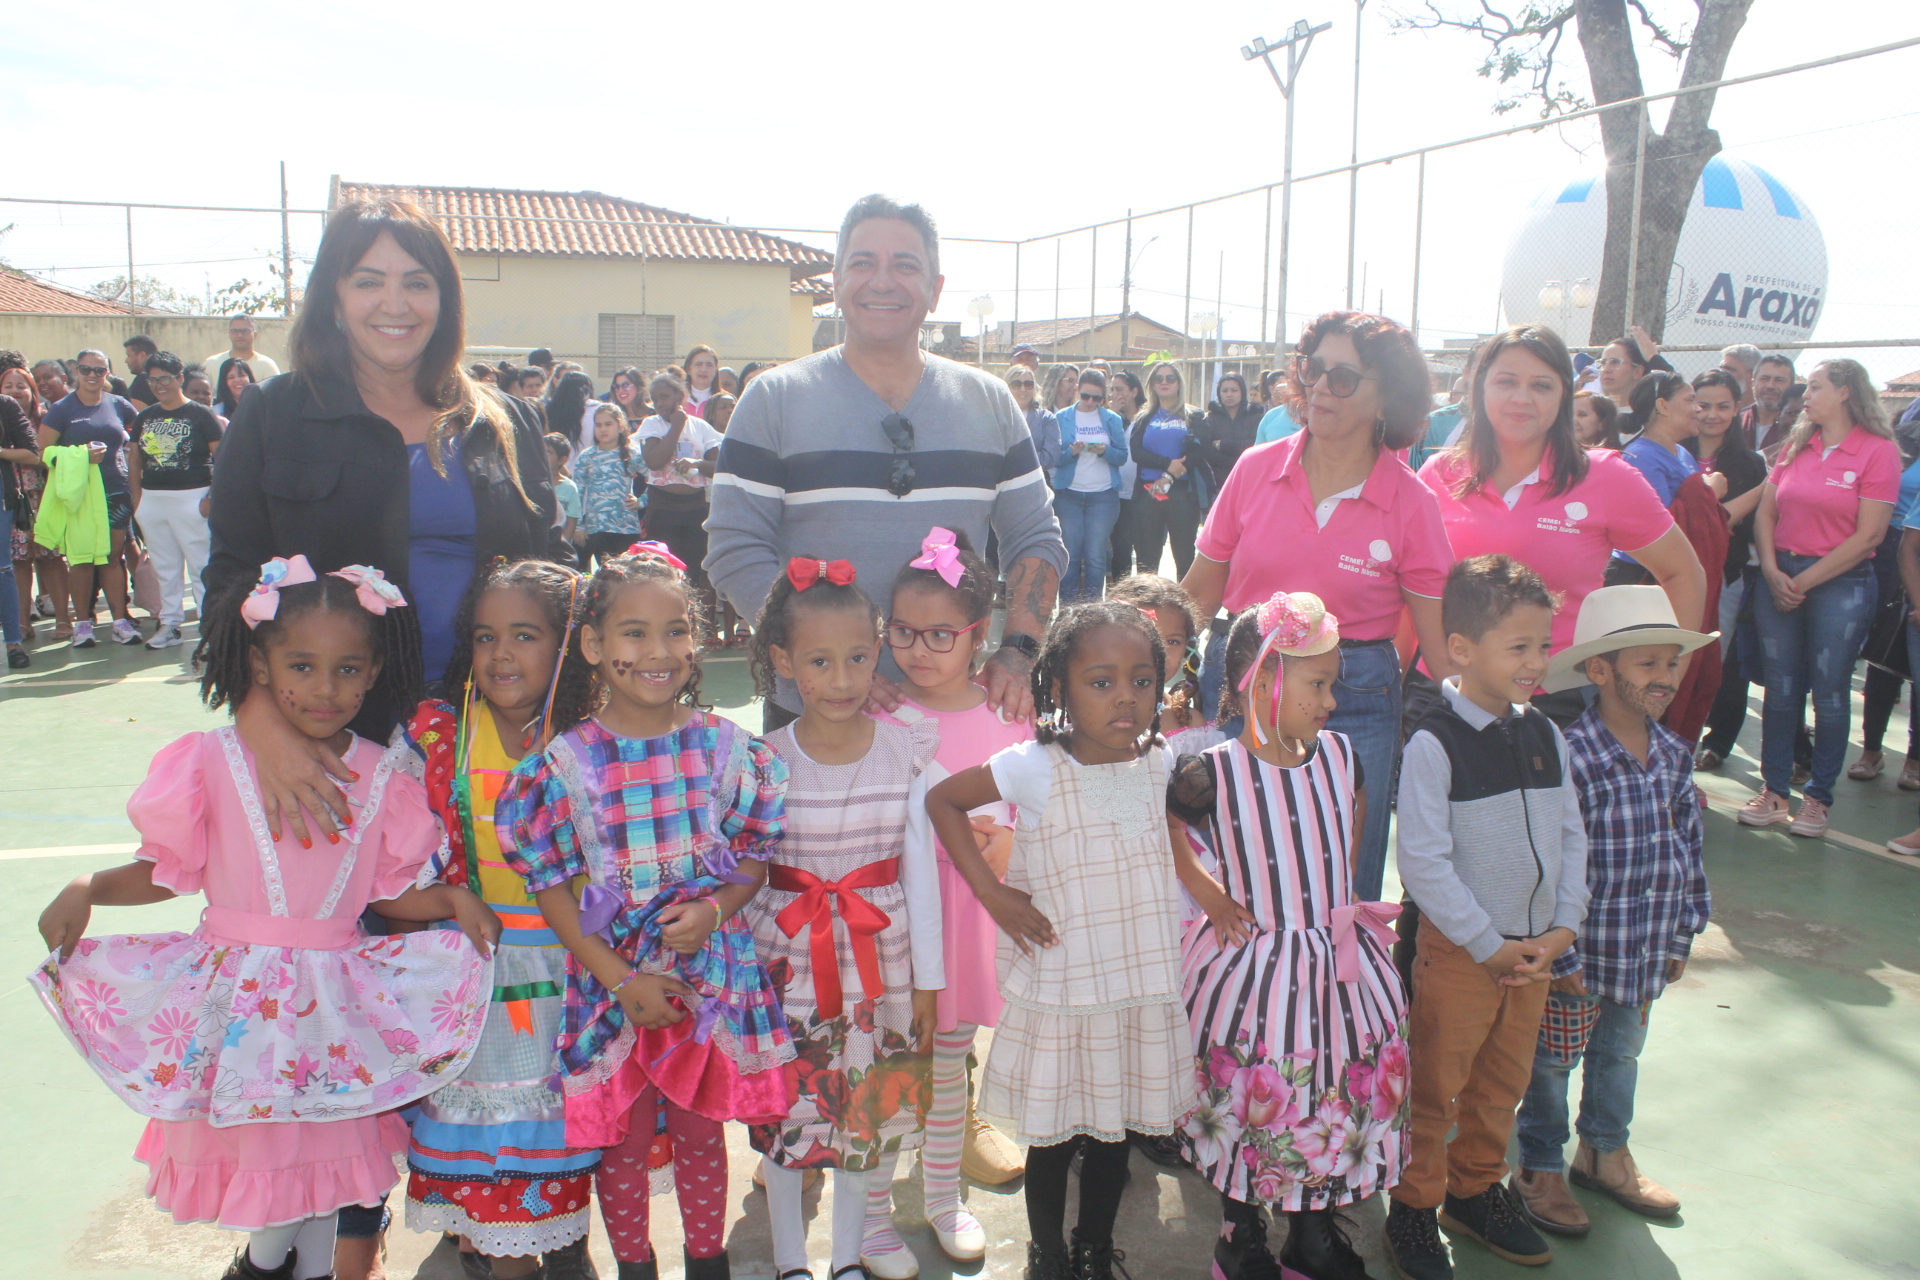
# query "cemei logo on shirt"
(1368, 566)
(1846, 480)
(1575, 512)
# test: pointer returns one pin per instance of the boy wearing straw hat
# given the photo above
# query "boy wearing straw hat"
(1649, 900)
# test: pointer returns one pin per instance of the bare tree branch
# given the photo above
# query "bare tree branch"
(1674, 45)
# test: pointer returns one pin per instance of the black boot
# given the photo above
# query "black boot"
(1098, 1261)
(1042, 1265)
(648, 1270)
(715, 1268)
(570, 1262)
(1414, 1244)
(1241, 1253)
(1317, 1247)
(242, 1268)
(1495, 1219)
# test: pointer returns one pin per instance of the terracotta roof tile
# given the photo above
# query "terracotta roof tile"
(820, 287)
(485, 220)
(24, 293)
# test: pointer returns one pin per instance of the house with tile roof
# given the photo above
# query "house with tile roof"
(42, 319)
(1074, 336)
(610, 282)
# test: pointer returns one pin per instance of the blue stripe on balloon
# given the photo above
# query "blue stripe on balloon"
(1576, 192)
(1783, 203)
(1718, 186)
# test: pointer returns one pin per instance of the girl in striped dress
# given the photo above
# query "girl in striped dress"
(849, 923)
(1298, 1018)
(489, 1160)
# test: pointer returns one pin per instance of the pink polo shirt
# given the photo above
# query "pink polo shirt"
(1819, 497)
(1387, 540)
(1566, 538)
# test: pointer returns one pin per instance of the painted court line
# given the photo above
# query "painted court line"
(69, 851)
(1731, 809)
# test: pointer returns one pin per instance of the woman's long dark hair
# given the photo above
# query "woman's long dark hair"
(567, 407)
(222, 398)
(1478, 449)
(1656, 386)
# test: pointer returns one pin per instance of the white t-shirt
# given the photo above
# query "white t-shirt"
(1023, 774)
(263, 367)
(1091, 472)
(696, 440)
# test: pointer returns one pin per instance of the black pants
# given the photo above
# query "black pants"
(681, 523)
(602, 547)
(1156, 519)
(1120, 544)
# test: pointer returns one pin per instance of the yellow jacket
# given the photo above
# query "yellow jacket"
(73, 512)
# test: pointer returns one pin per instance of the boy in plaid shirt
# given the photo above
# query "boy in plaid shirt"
(1649, 899)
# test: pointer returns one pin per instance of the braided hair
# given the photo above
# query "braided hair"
(597, 596)
(976, 589)
(225, 655)
(1243, 642)
(774, 626)
(1051, 722)
(557, 589)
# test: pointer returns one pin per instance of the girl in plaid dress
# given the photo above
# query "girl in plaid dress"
(669, 812)
(1092, 1044)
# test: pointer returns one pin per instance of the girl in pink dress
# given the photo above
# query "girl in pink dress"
(270, 1046)
(937, 629)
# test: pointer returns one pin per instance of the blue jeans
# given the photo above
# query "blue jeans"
(1086, 524)
(9, 590)
(1367, 695)
(1811, 649)
(1609, 1070)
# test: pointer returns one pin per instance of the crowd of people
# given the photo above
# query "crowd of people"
(492, 888)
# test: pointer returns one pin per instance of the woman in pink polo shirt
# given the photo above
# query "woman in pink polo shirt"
(1519, 483)
(1823, 511)
(1332, 510)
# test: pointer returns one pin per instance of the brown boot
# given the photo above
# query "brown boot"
(988, 1156)
(1549, 1204)
(1614, 1173)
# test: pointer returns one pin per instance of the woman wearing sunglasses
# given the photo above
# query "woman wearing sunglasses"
(1333, 510)
(1086, 486)
(1175, 484)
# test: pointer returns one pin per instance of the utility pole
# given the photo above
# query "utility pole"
(1126, 294)
(132, 309)
(1298, 40)
(1353, 153)
(286, 250)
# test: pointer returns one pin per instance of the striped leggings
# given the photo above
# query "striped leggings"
(940, 1150)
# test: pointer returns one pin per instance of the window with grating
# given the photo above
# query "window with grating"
(645, 342)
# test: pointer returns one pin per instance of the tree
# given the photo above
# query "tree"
(1525, 45)
(148, 291)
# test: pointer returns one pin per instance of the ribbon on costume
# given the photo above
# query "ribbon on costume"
(815, 908)
(657, 549)
(1283, 627)
(940, 553)
(376, 594)
(1376, 918)
(804, 573)
(263, 602)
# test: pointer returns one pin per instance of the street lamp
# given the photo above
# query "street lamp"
(1296, 42)
(1353, 155)
(1566, 297)
(980, 308)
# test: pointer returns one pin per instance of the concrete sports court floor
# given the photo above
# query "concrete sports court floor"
(1779, 1094)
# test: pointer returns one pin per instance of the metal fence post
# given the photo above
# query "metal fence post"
(1633, 232)
(132, 310)
(1093, 295)
(1013, 329)
(1186, 318)
(1419, 226)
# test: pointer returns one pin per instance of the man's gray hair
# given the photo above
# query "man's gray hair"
(879, 206)
(1746, 353)
(1776, 358)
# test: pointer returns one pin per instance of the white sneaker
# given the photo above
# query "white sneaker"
(83, 635)
(125, 632)
(960, 1234)
(166, 638)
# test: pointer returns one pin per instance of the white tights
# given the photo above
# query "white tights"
(311, 1238)
(790, 1227)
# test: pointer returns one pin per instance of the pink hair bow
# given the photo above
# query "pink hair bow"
(263, 603)
(377, 595)
(940, 553)
(657, 549)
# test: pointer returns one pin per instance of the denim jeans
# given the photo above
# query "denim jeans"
(1608, 1072)
(1811, 649)
(1367, 710)
(9, 589)
(1086, 523)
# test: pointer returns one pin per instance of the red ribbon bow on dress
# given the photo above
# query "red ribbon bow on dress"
(818, 901)
(1376, 918)
(804, 573)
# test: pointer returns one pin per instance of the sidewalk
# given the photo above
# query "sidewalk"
(1779, 1094)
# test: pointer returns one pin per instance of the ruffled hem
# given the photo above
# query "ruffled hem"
(502, 1239)
(239, 1199)
(1091, 1131)
(694, 1077)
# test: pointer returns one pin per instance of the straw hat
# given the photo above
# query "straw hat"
(1619, 618)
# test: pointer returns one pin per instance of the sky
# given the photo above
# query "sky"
(1008, 122)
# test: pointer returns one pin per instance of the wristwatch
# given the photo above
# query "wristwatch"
(1024, 643)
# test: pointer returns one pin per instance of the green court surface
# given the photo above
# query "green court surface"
(1779, 1094)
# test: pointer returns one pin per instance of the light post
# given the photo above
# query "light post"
(1298, 39)
(980, 308)
(1566, 297)
(1353, 154)
(1208, 323)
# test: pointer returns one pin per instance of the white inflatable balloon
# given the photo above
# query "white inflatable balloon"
(1751, 265)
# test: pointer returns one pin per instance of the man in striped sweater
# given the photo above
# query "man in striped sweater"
(855, 452)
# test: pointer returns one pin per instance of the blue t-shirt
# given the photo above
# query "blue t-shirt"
(1903, 511)
(440, 548)
(1277, 425)
(1166, 435)
(106, 422)
(1665, 471)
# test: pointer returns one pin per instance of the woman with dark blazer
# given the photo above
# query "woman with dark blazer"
(379, 450)
(1174, 484)
(1229, 428)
